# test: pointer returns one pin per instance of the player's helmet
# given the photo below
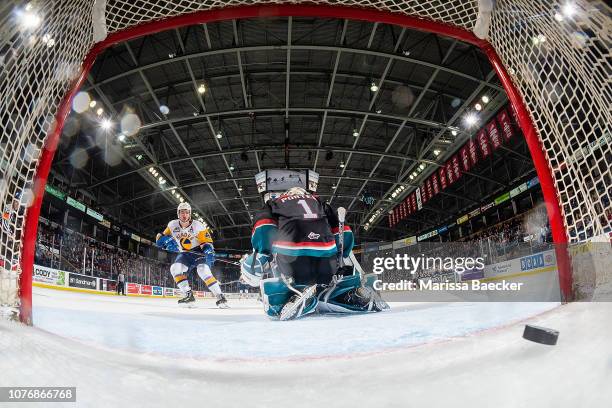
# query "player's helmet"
(296, 191)
(183, 206)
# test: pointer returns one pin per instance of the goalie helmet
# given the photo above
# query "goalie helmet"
(183, 206)
(296, 191)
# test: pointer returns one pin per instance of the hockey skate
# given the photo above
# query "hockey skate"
(300, 304)
(188, 300)
(222, 302)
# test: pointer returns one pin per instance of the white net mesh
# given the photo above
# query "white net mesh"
(559, 60)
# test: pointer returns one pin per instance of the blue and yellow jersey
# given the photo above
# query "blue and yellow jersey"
(190, 237)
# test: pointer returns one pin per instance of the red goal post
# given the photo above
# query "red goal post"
(556, 80)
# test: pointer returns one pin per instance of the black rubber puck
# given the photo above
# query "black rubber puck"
(541, 335)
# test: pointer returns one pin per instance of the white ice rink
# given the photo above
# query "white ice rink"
(147, 352)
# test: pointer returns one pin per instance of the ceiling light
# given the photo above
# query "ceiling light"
(164, 109)
(92, 104)
(122, 137)
(201, 88)
(568, 9)
(470, 119)
(181, 199)
(219, 134)
(485, 99)
(478, 107)
(139, 157)
(379, 111)
(374, 87)
(239, 188)
(231, 166)
(411, 177)
(29, 20)
(414, 174)
(341, 164)
(106, 124)
(454, 132)
(355, 133)
(436, 152)
(150, 169)
(422, 166)
(100, 111)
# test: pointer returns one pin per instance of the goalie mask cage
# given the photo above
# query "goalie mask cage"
(554, 64)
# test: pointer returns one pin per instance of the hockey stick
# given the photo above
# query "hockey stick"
(341, 219)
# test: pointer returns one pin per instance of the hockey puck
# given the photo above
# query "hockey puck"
(541, 335)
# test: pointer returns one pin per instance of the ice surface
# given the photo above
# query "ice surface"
(147, 352)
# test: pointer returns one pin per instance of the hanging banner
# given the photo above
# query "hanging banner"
(456, 169)
(429, 188)
(450, 174)
(514, 115)
(483, 143)
(434, 183)
(424, 194)
(466, 163)
(406, 202)
(413, 202)
(504, 123)
(494, 135)
(472, 151)
(442, 177)
(419, 202)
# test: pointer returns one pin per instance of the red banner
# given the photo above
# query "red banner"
(483, 143)
(494, 135)
(407, 204)
(430, 192)
(450, 174)
(504, 123)
(146, 290)
(514, 115)
(456, 169)
(424, 193)
(132, 288)
(434, 183)
(472, 151)
(442, 176)
(413, 203)
(464, 152)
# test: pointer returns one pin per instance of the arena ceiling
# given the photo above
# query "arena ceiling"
(247, 95)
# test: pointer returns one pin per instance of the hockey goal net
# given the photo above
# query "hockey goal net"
(553, 58)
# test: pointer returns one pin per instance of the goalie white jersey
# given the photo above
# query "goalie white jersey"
(190, 237)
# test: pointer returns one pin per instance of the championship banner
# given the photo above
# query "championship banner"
(406, 202)
(483, 143)
(419, 202)
(413, 202)
(456, 168)
(513, 114)
(465, 158)
(442, 177)
(424, 193)
(504, 123)
(403, 211)
(472, 151)
(450, 174)
(434, 183)
(429, 189)
(494, 135)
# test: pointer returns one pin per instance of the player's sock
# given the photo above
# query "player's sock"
(211, 282)
(178, 271)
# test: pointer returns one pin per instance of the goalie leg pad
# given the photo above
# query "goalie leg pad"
(347, 295)
(275, 295)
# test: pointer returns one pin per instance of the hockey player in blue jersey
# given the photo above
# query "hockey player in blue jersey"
(295, 238)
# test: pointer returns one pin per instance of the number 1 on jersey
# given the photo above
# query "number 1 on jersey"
(307, 210)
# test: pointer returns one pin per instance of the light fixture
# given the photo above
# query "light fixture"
(436, 152)
(139, 157)
(374, 87)
(181, 199)
(201, 88)
(454, 132)
(164, 109)
(171, 55)
(411, 177)
(92, 104)
(379, 111)
(414, 174)
(151, 171)
(29, 20)
(478, 107)
(219, 134)
(106, 124)
(485, 99)
(421, 166)
(100, 111)
(121, 137)
(470, 119)
(568, 9)
(341, 164)
(355, 132)
(406, 53)
(162, 180)
(333, 186)
(231, 167)
(239, 188)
